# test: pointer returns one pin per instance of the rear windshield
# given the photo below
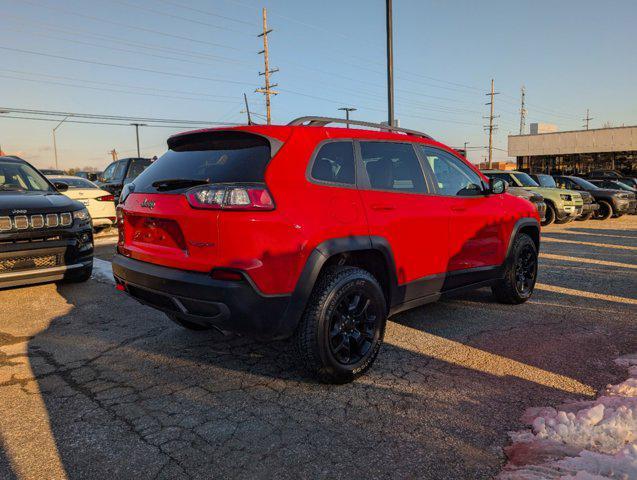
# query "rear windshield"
(217, 157)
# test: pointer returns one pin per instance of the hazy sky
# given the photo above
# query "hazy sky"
(570, 55)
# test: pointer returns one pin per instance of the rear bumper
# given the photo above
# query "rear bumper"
(235, 306)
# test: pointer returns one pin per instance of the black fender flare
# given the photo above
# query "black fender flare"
(519, 225)
(321, 254)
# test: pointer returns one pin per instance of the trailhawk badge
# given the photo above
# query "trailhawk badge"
(148, 204)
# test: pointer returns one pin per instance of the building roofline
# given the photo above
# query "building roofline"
(573, 131)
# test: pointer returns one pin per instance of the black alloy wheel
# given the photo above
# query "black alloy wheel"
(353, 326)
(525, 270)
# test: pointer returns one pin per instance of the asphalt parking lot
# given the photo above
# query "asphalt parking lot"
(94, 385)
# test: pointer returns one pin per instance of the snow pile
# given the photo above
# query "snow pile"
(594, 440)
(102, 271)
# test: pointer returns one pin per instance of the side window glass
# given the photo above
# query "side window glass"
(393, 166)
(108, 173)
(454, 178)
(334, 163)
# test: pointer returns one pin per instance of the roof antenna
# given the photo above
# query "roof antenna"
(245, 99)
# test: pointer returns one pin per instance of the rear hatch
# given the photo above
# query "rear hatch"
(170, 214)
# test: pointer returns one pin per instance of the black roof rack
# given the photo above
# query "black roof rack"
(322, 121)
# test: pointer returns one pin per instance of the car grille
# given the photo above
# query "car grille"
(30, 262)
(19, 223)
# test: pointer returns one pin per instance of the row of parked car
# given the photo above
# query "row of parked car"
(304, 230)
(564, 198)
(98, 191)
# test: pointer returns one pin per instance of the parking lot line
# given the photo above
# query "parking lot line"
(552, 256)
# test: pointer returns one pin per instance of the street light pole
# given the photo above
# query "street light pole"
(137, 125)
(55, 145)
(390, 65)
(347, 110)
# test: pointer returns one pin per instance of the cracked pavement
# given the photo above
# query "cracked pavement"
(95, 385)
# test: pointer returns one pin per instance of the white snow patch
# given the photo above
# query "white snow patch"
(590, 440)
(102, 271)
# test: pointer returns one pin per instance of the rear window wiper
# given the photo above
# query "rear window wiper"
(175, 183)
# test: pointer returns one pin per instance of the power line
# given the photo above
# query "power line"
(133, 27)
(197, 10)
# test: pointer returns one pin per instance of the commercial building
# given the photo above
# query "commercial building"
(579, 151)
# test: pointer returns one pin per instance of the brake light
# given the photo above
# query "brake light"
(106, 198)
(230, 197)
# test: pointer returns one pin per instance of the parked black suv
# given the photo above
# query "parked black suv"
(611, 202)
(588, 208)
(612, 175)
(44, 235)
(121, 172)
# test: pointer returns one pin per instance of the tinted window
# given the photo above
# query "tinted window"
(21, 177)
(114, 172)
(334, 162)
(585, 184)
(525, 179)
(546, 181)
(503, 176)
(453, 176)
(393, 166)
(137, 166)
(74, 182)
(216, 157)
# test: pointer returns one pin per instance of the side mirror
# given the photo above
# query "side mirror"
(497, 186)
(61, 186)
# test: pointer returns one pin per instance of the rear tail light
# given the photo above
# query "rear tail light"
(106, 198)
(230, 197)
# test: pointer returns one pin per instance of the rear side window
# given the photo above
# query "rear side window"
(334, 163)
(114, 172)
(393, 166)
(217, 157)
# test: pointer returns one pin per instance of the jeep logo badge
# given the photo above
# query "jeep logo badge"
(18, 212)
(148, 204)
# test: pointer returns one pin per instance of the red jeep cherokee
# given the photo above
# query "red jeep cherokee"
(319, 233)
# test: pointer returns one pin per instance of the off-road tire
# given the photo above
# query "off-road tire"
(507, 290)
(312, 336)
(550, 215)
(605, 210)
(562, 221)
(583, 218)
(186, 324)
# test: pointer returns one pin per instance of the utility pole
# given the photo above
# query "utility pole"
(137, 125)
(390, 64)
(491, 127)
(55, 145)
(522, 113)
(347, 110)
(587, 120)
(466, 153)
(267, 90)
(113, 154)
(245, 99)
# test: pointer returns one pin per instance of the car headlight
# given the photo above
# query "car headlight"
(81, 215)
(565, 197)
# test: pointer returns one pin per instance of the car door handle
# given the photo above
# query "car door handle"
(382, 207)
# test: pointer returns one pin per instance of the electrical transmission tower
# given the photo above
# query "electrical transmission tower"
(522, 112)
(491, 127)
(267, 89)
(587, 120)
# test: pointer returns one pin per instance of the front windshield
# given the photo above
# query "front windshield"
(585, 184)
(20, 177)
(625, 186)
(525, 180)
(546, 181)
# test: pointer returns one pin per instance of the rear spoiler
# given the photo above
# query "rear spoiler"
(231, 136)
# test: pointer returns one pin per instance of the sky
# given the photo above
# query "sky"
(193, 60)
